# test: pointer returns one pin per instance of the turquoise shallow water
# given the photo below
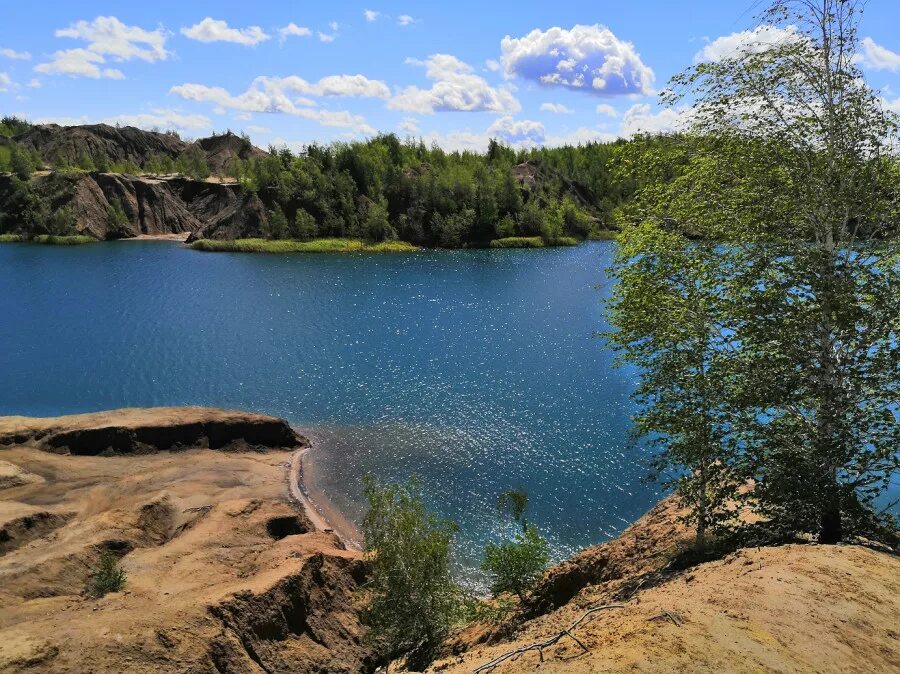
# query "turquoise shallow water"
(475, 370)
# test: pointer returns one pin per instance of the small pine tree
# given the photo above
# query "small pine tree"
(278, 223)
(20, 163)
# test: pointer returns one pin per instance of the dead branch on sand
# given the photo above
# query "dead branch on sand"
(541, 645)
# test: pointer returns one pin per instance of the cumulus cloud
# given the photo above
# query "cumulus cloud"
(756, 41)
(891, 106)
(409, 125)
(556, 108)
(5, 82)
(156, 119)
(106, 36)
(455, 87)
(162, 119)
(13, 54)
(325, 37)
(492, 65)
(293, 30)
(606, 109)
(585, 58)
(34, 83)
(214, 30)
(876, 57)
(405, 20)
(278, 95)
(371, 15)
(517, 132)
(79, 63)
(640, 119)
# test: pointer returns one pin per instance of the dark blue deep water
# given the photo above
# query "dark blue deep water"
(475, 370)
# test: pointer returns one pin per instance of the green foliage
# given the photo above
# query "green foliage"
(518, 242)
(13, 126)
(313, 246)
(116, 218)
(304, 226)
(159, 164)
(516, 565)
(109, 576)
(21, 163)
(771, 356)
(278, 224)
(414, 599)
(192, 163)
(85, 162)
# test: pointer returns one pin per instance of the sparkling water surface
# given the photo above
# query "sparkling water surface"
(475, 370)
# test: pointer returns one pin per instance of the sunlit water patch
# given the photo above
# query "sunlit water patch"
(475, 370)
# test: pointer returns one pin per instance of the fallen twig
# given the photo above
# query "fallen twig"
(666, 614)
(541, 645)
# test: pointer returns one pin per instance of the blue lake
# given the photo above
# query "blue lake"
(475, 370)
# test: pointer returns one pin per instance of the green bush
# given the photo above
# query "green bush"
(108, 577)
(518, 242)
(116, 218)
(414, 599)
(289, 246)
(516, 565)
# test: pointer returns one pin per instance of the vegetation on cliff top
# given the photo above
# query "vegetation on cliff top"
(771, 359)
(293, 246)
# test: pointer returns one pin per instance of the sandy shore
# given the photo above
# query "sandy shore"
(320, 509)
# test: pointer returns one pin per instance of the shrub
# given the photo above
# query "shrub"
(518, 242)
(109, 576)
(516, 565)
(21, 163)
(304, 226)
(116, 219)
(414, 599)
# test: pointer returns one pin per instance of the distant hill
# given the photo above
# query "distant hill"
(127, 144)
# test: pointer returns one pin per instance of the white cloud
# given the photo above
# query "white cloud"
(276, 95)
(106, 37)
(13, 54)
(455, 87)
(409, 125)
(756, 41)
(34, 83)
(517, 132)
(79, 63)
(371, 15)
(876, 57)
(5, 82)
(162, 119)
(891, 106)
(585, 58)
(293, 30)
(405, 20)
(639, 119)
(333, 25)
(556, 108)
(580, 136)
(607, 109)
(325, 37)
(214, 30)
(253, 128)
(492, 65)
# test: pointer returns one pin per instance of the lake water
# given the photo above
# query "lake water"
(475, 370)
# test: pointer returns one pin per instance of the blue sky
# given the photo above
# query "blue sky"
(455, 73)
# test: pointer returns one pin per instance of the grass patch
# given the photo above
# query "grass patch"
(532, 242)
(290, 246)
(563, 241)
(603, 235)
(518, 242)
(49, 239)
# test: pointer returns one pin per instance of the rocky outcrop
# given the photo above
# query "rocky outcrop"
(151, 206)
(66, 144)
(225, 572)
(144, 430)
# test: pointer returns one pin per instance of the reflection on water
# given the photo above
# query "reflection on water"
(475, 370)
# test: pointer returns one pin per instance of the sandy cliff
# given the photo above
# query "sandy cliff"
(225, 571)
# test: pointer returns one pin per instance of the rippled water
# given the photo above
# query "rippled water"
(476, 370)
